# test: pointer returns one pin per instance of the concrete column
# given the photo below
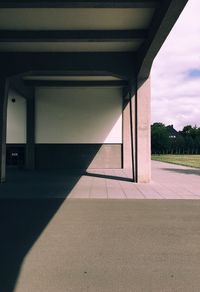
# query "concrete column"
(143, 133)
(3, 123)
(30, 133)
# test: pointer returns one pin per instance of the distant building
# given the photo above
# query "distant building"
(172, 132)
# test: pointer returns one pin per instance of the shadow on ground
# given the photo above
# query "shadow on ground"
(46, 183)
(39, 184)
(21, 223)
(183, 171)
(108, 176)
(28, 202)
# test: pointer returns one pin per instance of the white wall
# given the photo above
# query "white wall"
(78, 115)
(16, 119)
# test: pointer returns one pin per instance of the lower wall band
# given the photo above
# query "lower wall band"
(78, 156)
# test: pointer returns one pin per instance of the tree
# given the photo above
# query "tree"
(197, 144)
(179, 144)
(189, 144)
(159, 138)
(165, 139)
(187, 130)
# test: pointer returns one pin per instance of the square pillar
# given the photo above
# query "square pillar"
(3, 123)
(30, 133)
(143, 133)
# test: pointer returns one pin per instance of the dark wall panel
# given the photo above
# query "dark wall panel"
(15, 155)
(78, 156)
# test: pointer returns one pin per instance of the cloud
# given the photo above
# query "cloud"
(175, 72)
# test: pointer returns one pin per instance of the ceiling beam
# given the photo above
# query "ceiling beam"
(72, 36)
(116, 64)
(78, 3)
(57, 83)
(67, 73)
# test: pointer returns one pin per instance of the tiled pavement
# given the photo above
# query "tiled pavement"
(168, 182)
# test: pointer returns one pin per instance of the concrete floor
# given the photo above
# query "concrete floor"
(102, 245)
(54, 243)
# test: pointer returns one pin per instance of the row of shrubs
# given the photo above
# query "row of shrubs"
(166, 140)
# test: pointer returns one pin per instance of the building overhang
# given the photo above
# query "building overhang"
(105, 38)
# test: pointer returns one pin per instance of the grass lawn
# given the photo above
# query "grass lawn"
(187, 160)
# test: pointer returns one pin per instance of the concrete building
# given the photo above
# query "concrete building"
(74, 82)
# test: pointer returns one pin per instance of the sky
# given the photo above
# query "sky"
(175, 74)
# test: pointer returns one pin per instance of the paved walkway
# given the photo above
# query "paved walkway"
(168, 182)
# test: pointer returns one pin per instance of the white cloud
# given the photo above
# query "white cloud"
(175, 95)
